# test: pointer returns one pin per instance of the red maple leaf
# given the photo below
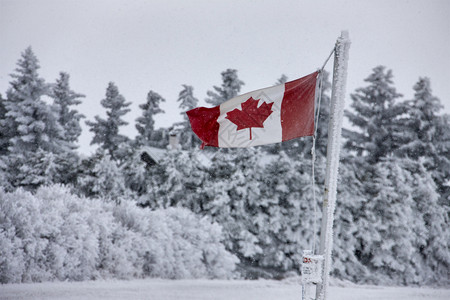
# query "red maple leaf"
(251, 115)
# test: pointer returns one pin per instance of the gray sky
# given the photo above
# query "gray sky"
(161, 44)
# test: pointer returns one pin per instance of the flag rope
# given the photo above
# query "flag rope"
(329, 56)
(313, 160)
(313, 148)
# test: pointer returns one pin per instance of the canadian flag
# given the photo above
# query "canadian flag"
(270, 115)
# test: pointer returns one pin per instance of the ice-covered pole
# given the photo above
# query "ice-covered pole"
(333, 151)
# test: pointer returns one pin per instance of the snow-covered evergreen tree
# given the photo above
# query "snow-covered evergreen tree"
(393, 198)
(4, 178)
(285, 222)
(136, 173)
(4, 143)
(153, 192)
(425, 134)
(375, 115)
(348, 212)
(231, 86)
(69, 118)
(145, 124)
(5, 128)
(105, 180)
(431, 237)
(106, 131)
(441, 174)
(34, 123)
(426, 138)
(394, 224)
(241, 196)
(187, 100)
(185, 179)
(217, 201)
(222, 165)
(45, 170)
(188, 139)
(385, 230)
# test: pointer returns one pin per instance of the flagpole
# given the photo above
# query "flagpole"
(333, 152)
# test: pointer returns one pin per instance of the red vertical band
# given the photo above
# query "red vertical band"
(204, 124)
(297, 107)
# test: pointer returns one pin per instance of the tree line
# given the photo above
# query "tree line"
(391, 223)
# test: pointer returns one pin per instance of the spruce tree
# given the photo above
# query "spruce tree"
(106, 131)
(46, 169)
(285, 220)
(395, 222)
(402, 232)
(222, 165)
(33, 125)
(151, 185)
(187, 102)
(243, 200)
(427, 140)
(104, 179)
(145, 124)
(69, 118)
(441, 173)
(431, 237)
(419, 123)
(346, 250)
(425, 134)
(133, 169)
(35, 122)
(374, 118)
(385, 236)
(184, 181)
(231, 86)
(5, 133)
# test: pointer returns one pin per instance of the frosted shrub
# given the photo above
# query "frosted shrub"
(11, 257)
(202, 254)
(20, 231)
(175, 243)
(55, 235)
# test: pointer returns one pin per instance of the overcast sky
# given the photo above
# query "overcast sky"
(161, 44)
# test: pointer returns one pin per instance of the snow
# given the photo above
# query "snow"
(157, 154)
(207, 289)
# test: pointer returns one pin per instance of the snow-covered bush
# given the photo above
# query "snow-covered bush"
(178, 243)
(55, 235)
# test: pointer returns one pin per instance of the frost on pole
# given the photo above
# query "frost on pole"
(312, 268)
(333, 152)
